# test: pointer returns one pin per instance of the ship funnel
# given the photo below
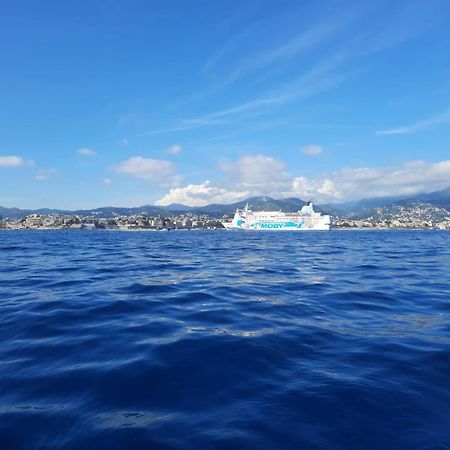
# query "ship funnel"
(308, 208)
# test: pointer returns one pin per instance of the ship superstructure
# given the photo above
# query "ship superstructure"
(305, 219)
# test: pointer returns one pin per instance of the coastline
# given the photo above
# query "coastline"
(220, 229)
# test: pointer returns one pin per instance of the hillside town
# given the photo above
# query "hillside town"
(405, 218)
(395, 224)
(135, 222)
(417, 215)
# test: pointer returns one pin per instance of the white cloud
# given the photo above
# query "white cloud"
(175, 149)
(200, 195)
(317, 189)
(355, 183)
(247, 176)
(11, 161)
(256, 170)
(106, 181)
(148, 169)
(86, 152)
(264, 175)
(418, 126)
(312, 150)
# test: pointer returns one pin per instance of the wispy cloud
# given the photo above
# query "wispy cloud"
(406, 21)
(312, 36)
(333, 69)
(315, 80)
(317, 32)
(320, 77)
(234, 42)
(185, 124)
(418, 126)
(303, 42)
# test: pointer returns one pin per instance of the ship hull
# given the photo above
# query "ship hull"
(268, 228)
(322, 225)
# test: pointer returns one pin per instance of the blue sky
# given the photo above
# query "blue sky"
(141, 102)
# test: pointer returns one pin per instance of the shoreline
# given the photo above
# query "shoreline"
(219, 229)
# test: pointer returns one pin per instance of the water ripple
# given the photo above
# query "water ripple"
(223, 340)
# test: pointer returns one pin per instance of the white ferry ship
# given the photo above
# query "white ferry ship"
(305, 219)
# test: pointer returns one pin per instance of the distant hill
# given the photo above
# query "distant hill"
(365, 205)
(436, 195)
(254, 203)
(108, 211)
(177, 207)
(262, 203)
(111, 211)
(439, 198)
(16, 213)
(357, 209)
(364, 208)
(408, 210)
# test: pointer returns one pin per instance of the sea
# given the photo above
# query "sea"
(224, 340)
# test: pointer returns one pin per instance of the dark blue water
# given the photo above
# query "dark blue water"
(225, 340)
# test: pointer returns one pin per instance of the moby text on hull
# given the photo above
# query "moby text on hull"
(303, 220)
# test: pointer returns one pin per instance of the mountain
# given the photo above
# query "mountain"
(442, 203)
(365, 205)
(364, 208)
(108, 211)
(16, 213)
(408, 210)
(262, 203)
(332, 210)
(254, 203)
(111, 211)
(443, 194)
(357, 209)
(178, 207)
(439, 198)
